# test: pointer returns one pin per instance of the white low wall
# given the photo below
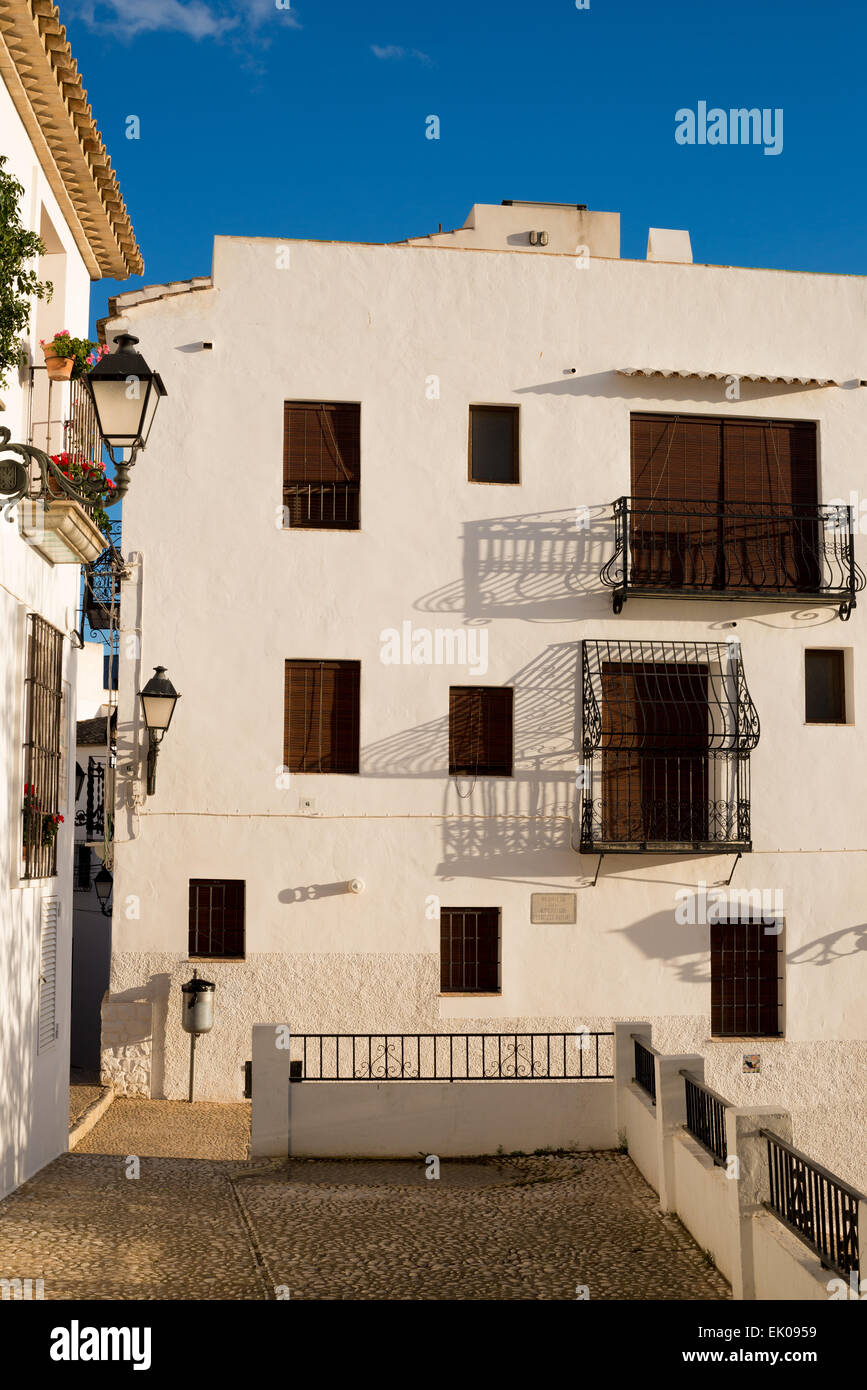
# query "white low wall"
(783, 1266)
(401, 1119)
(723, 1208)
(638, 1125)
(704, 1203)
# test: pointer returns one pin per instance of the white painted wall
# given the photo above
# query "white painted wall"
(34, 1092)
(222, 596)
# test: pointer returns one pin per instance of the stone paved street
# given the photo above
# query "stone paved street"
(218, 1226)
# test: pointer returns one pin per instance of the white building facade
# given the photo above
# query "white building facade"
(399, 466)
(71, 200)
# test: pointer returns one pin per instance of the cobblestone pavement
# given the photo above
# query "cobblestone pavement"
(220, 1227)
(171, 1129)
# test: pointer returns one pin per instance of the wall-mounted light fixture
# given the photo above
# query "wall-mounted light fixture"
(125, 394)
(103, 883)
(158, 700)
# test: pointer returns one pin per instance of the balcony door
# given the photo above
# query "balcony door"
(724, 504)
(655, 739)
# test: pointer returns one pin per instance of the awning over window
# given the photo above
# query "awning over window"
(685, 375)
(666, 696)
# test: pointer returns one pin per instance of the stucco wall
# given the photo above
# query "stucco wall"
(704, 1204)
(34, 1086)
(385, 326)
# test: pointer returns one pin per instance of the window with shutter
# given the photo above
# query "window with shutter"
(47, 1027)
(321, 465)
(481, 730)
(470, 950)
(745, 962)
(667, 731)
(217, 917)
(493, 445)
(722, 503)
(43, 752)
(321, 720)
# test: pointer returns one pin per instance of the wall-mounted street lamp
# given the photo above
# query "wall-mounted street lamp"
(158, 700)
(125, 394)
(103, 883)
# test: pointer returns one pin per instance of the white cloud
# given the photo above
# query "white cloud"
(394, 52)
(126, 19)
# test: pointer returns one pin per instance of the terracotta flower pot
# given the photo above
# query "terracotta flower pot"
(58, 368)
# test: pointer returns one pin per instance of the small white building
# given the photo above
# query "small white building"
(465, 743)
(71, 200)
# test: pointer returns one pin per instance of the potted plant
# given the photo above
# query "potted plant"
(19, 282)
(68, 358)
(40, 827)
(87, 476)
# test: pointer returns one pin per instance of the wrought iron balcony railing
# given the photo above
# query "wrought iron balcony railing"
(668, 730)
(744, 550)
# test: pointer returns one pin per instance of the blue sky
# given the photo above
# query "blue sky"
(310, 121)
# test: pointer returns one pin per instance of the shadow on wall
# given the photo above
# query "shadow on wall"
(532, 567)
(313, 890)
(661, 937)
(519, 825)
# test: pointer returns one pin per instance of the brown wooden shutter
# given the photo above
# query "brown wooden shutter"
(676, 463)
(321, 716)
(771, 466)
(321, 463)
(481, 721)
(654, 751)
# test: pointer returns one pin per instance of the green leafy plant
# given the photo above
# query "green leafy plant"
(40, 827)
(88, 476)
(85, 353)
(19, 282)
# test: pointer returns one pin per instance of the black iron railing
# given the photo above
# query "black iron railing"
(820, 1208)
(667, 732)
(452, 1056)
(706, 1117)
(678, 547)
(91, 816)
(645, 1069)
(333, 506)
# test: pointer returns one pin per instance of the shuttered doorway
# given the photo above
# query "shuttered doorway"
(47, 1035)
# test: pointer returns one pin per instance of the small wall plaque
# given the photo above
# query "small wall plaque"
(553, 909)
(752, 1061)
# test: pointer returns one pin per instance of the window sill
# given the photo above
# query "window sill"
(471, 994)
(215, 960)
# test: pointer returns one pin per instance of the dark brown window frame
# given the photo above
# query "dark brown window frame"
(839, 683)
(194, 943)
(492, 407)
(351, 499)
(350, 765)
(772, 942)
(492, 983)
(489, 768)
(43, 745)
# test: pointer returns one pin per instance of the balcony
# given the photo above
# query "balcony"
(788, 552)
(668, 730)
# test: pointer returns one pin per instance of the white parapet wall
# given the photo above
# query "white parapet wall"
(722, 1205)
(401, 1119)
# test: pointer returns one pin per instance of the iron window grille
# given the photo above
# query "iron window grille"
(470, 950)
(217, 917)
(42, 748)
(321, 465)
(745, 992)
(667, 732)
(321, 716)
